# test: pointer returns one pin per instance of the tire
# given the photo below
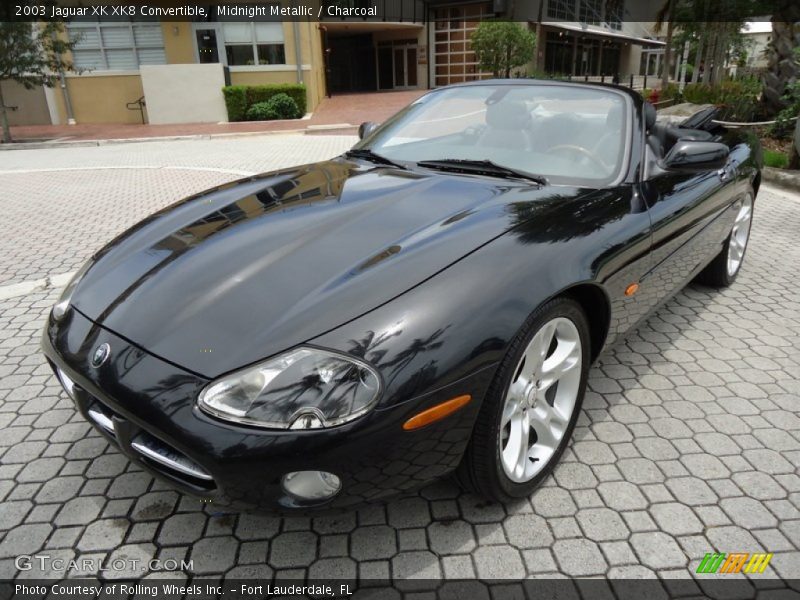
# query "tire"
(495, 464)
(724, 268)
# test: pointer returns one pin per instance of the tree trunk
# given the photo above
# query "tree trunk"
(782, 68)
(710, 50)
(698, 58)
(794, 159)
(720, 53)
(4, 118)
(668, 48)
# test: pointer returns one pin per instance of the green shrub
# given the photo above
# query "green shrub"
(239, 98)
(235, 101)
(738, 99)
(670, 92)
(261, 111)
(284, 106)
(279, 106)
(772, 158)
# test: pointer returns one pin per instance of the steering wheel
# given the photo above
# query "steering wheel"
(582, 151)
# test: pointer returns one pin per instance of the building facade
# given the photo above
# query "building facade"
(177, 68)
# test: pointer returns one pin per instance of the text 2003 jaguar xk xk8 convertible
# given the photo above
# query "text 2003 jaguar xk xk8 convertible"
(428, 303)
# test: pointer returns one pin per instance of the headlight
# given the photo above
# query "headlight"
(305, 388)
(60, 308)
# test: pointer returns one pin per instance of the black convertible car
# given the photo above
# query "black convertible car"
(428, 303)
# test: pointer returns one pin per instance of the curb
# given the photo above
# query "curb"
(788, 180)
(310, 130)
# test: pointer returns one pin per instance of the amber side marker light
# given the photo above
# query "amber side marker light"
(435, 413)
(632, 289)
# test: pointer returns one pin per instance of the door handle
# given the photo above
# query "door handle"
(728, 172)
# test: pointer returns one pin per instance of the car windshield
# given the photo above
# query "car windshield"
(569, 134)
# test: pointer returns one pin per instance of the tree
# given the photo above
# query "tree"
(666, 15)
(502, 46)
(31, 55)
(783, 70)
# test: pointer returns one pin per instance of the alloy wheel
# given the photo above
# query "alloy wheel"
(540, 400)
(739, 235)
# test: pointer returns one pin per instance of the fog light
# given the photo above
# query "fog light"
(67, 384)
(311, 485)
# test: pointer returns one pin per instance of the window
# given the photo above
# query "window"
(561, 9)
(454, 59)
(116, 45)
(615, 16)
(254, 43)
(590, 11)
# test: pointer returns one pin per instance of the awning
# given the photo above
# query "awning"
(577, 28)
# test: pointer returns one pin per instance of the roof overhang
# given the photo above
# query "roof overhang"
(622, 37)
(355, 27)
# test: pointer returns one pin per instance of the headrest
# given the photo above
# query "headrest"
(511, 114)
(649, 116)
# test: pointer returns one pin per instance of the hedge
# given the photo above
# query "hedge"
(239, 98)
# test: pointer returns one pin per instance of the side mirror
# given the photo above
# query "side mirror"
(694, 155)
(366, 128)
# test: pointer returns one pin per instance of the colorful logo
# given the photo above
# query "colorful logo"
(719, 562)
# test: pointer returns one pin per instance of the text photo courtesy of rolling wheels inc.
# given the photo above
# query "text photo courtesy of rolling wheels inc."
(442, 300)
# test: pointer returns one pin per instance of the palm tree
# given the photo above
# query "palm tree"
(782, 67)
(666, 15)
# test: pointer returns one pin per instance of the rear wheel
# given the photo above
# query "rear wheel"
(722, 271)
(532, 405)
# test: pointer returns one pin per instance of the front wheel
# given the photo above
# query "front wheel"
(722, 271)
(531, 408)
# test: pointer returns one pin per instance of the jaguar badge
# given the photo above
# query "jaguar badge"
(100, 355)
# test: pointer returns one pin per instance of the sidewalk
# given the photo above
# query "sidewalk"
(343, 111)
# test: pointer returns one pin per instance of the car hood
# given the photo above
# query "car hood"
(251, 268)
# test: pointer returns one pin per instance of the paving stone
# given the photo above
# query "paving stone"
(691, 491)
(640, 470)
(80, 511)
(333, 569)
(748, 512)
(293, 549)
(374, 542)
(575, 476)
(182, 529)
(658, 550)
(498, 562)
(217, 554)
(579, 558)
(705, 466)
(602, 524)
(416, 565)
(759, 485)
(676, 519)
(106, 534)
(528, 531)
(553, 502)
(619, 553)
(622, 495)
(24, 539)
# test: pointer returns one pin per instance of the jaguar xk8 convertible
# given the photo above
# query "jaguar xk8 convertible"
(429, 303)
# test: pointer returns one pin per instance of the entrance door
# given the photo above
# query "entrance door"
(405, 67)
(208, 50)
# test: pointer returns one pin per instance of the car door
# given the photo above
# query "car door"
(690, 214)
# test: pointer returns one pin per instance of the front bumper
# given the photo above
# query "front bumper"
(146, 407)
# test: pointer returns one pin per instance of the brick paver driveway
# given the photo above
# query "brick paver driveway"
(689, 441)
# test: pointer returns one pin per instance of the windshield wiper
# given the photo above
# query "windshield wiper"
(481, 167)
(371, 156)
